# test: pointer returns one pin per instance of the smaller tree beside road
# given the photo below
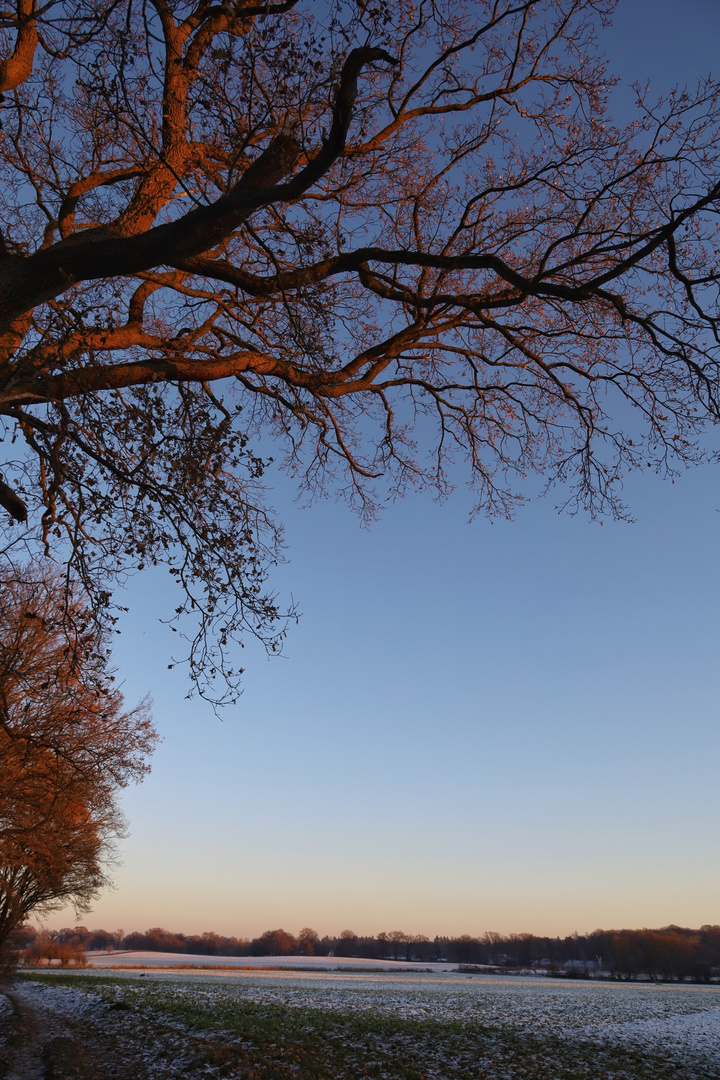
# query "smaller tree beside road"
(67, 747)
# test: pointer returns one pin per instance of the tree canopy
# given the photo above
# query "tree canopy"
(383, 237)
(67, 747)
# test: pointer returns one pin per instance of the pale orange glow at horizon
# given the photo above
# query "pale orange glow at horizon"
(253, 894)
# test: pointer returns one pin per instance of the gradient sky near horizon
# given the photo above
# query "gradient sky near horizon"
(509, 726)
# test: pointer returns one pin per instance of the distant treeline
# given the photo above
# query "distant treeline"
(669, 954)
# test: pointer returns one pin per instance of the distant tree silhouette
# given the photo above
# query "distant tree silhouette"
(274, 943)
(669, 954)
(308, 942)
(347, 944)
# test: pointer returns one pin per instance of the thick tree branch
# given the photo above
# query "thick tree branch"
(95, 254)
(17, 67)
(472, 248)
(15, 507)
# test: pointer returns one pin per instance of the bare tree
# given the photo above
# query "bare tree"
(308, 941)
(385, 236)
(67, 747)
(398, 940)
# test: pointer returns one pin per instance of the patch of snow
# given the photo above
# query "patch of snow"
(323, 963)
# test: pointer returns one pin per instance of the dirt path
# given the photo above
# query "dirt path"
(57, 1033)
(26, 1033)
(40, 1043)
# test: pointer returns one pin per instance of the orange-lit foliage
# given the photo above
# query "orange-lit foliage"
(66, 748)
(388, 235)
(47, 948)
(665, 954)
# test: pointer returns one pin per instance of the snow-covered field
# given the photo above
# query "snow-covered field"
(123, 959)
(452, 1025)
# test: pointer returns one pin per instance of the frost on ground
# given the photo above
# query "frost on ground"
(680, 1023)
(449, 1027)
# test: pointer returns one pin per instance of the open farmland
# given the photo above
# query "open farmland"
(315, 1025)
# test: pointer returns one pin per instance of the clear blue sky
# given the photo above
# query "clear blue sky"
(509, 726)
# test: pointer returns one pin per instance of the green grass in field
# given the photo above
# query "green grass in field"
(275, 1042)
